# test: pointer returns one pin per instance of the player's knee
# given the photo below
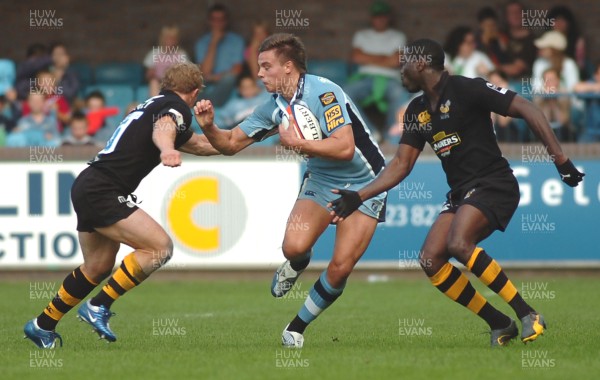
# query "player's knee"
(167, 249)
(459, 248)
(430, 262)
(294, 249)
(162, 251)
(98, 271)
(426, 259)
(339, 271)
(165, 244)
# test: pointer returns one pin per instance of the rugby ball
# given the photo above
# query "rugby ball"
(307, 125)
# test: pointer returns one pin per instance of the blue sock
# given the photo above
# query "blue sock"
(320, 297)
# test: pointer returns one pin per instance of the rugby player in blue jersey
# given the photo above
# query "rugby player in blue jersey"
(347, 157)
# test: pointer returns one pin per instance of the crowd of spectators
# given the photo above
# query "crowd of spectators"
(43, 102)
(537, 53)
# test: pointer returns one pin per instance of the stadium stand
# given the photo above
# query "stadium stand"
(129, 73)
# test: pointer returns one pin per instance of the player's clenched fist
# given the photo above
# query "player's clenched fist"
(287, 136)
(205, 113)
(569, 173)
(170, 158)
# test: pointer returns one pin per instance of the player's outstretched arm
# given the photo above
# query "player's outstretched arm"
(395, 171)
(163, 136)
(227, 142)
(538, 124)
(199, 145)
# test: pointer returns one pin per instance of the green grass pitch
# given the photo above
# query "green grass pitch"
(401, 329)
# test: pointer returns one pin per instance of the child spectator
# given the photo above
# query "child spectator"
(163, 56)
(555, 107)
(77, 131)
(37, 128)
(45, 83)
(97, 112)
(239, 107)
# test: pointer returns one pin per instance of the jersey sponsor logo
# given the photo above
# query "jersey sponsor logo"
(327, 98)
(334, 117)
(424, 118)
(445, 110)
(443, 143)
(492, 86)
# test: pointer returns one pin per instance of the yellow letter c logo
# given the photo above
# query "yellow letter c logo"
(180, 209)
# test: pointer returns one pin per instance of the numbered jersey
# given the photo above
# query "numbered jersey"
(130, 154)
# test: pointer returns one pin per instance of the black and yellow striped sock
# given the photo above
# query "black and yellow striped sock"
(75, 287)
(450, 281)
(125, 278)
(492, 275)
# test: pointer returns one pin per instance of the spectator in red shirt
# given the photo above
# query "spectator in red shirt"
(97, 112)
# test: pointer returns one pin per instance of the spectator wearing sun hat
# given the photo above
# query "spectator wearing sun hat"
(551, 55)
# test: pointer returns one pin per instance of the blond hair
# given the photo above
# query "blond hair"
(167, 31)
(183, 77)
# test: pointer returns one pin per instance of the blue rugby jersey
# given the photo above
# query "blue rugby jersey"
(334, 109)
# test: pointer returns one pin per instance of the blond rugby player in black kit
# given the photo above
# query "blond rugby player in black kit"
(154, 132)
